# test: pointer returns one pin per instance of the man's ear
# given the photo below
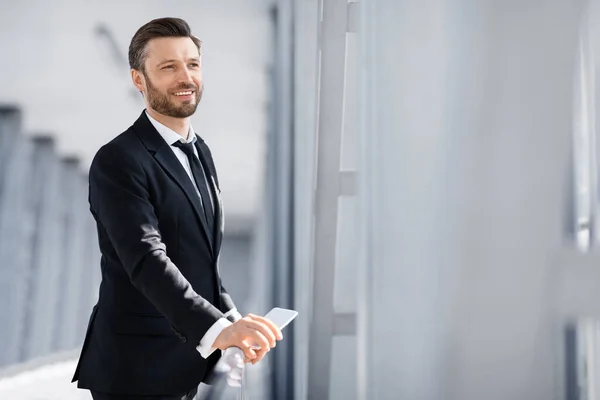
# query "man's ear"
(138, 79)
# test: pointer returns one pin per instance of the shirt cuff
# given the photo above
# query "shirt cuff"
(234, 314)
(205, 348)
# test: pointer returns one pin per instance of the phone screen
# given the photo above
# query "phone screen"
(281, 316)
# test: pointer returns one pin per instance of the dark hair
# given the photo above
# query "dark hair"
(157, 28)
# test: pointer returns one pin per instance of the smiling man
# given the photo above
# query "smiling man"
(163, 314)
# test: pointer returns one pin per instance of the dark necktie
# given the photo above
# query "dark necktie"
(188, 149)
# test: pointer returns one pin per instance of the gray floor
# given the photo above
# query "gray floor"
(49, 382)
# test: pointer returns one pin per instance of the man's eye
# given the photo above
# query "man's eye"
(168, 67)
(195, 65)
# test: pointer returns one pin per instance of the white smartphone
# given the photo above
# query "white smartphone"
(281, 316)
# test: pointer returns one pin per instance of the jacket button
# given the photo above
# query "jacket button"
(183, 338)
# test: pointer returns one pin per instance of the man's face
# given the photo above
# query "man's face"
(172, 82)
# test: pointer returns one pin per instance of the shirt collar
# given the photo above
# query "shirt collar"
(169, 135)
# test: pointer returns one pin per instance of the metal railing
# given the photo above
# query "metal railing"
(227, 379)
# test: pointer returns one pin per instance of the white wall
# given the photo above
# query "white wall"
(465, 159)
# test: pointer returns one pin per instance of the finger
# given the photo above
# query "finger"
(264, 330)
(249, 354)
(259, 356)
(270, 324)
(257, 340)
(247, 360)
(258, 351)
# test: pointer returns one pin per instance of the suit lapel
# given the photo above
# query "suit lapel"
(172, 166)
(169, 162)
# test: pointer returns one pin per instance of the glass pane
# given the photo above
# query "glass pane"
(346, 256)
(343, 369)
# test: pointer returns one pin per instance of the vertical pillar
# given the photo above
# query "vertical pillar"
(47, 249)
(74, 212)
(16, 232)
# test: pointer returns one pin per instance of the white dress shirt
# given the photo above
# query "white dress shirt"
(205, 348)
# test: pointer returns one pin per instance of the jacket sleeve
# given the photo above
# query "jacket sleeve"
(120, 201)
(226, 301)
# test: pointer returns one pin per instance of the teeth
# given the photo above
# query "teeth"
(183, 93)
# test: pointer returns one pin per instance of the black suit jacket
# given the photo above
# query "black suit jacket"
(160, 289)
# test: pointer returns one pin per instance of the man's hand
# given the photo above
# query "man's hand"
(254, 335)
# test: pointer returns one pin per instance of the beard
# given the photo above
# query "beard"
(163, 104)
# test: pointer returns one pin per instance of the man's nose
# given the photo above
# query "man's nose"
(185, 75)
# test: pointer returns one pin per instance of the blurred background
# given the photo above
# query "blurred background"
(418, 179)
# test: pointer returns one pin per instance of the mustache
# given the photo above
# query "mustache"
(186, 87)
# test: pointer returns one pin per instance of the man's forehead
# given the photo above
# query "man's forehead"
(159, 49)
